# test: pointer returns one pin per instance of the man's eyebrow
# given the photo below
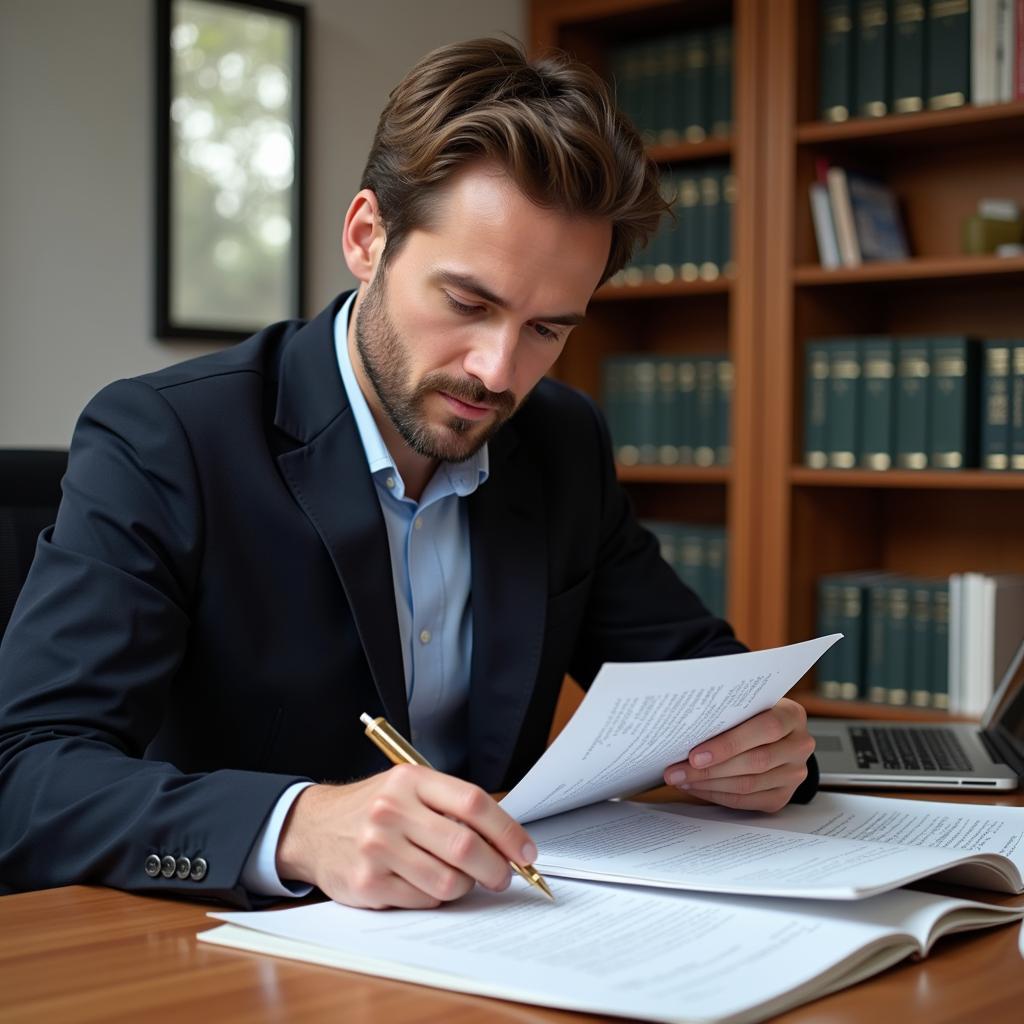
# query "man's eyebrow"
(470, 284)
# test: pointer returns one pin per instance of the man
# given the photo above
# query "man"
(345, 516)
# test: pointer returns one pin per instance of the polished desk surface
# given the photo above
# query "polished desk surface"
(92, 954)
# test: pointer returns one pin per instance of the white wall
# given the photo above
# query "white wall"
(76, 180)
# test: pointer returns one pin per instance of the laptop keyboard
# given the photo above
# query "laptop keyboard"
(908, 749)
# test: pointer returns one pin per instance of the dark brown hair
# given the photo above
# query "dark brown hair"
(551, 123)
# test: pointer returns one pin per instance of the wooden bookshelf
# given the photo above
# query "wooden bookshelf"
(789, 525)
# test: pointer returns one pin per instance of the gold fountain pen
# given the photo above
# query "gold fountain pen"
(399, 751)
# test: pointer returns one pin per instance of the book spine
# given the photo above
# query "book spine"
(645, 409)
(897, 645)
(692, 561)
(616, 387)
(723, 432)
(835, 51)
(949, 53)
(725, 222)
(940, 647)
(721, 81)
(995, 406)
(983, 64)
(872, 59)
(828, 670)
(666, 119)
(689, 232)
(876, 668)
(694, 87)
(851, 625)
(953, 405)
(710, 202)
(843, 403)
(648, 82)
(715, 571)
(842, 214)
(707, 412)
(1017, 407)
(913, 369)
(908, 82)
(824, 227)
(816, 388)
(666, 439)
(686, 383)
(1006, 49)
(920, 674)
(664, 270)
(877, 408)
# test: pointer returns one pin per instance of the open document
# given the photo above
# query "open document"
(638, 953)
(637, 719)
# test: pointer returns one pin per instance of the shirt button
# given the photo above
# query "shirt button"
(425, 636)
(389, 483)
(152, 865)
(418, 523)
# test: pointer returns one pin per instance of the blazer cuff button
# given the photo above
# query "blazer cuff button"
(152, 865)
(168, 865)
(183, 867)
(199, 867)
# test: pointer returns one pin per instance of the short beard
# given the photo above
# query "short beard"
(385, 360)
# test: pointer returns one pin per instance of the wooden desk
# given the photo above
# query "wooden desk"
(88, 954)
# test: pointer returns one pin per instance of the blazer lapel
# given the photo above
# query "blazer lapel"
(509, 578)
(331, 482)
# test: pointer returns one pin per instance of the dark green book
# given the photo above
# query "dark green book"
(706, 419)
(920, 675)
(940, 646)
(692, 561)
(953, 404)
(714, 598)
(695, 111)
(873, 58)
(624, 71)
(828, 670)
(644, 406)
(878, 402)
(617, 371)
(897, 643)
(852, 624)
(723, 432)
(648, 84)
(721, 81)
(816, 387)
(686, 410)
(948, 65)
(689, 227)
(710, 204)
(835, 59)
(876, 668)
(1017, 406)
(913, 368)
(843, 417)
(908, 52)
(995, 405)
(725, 222)
(667, 96)
(668, 399)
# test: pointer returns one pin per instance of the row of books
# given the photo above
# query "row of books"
(880, 57)
(880, 402)
(669, 410)
(676, 88)
(695, 242)
(700, 555)
(856, 219)
(914, 642)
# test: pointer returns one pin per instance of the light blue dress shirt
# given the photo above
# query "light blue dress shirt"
(430, 570)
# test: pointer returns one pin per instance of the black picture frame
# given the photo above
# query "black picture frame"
(172, 319)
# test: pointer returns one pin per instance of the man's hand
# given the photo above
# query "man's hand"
(755, 766)
(409, 837)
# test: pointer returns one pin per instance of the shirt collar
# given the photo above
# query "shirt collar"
(462, 478)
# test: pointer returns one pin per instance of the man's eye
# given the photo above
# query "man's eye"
(546, 332)
(460, 307)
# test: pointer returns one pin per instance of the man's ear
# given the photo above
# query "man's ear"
(363, 237)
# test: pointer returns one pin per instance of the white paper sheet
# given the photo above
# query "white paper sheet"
(637, 844)
(917, 824)
(637, 719)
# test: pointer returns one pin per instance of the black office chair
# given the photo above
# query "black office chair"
(29, 496)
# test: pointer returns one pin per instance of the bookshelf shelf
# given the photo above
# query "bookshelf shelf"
(934, 127)
(685, 152)
(936, 480)
(935, 268)
(658, 289)
(825, 708)
(674, 474)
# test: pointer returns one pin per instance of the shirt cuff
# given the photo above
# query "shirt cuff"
(259, 875)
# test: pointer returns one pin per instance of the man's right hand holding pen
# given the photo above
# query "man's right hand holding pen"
(409, 837)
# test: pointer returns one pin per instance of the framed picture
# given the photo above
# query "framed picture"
(229, 216)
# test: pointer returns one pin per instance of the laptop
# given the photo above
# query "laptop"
(957, 755)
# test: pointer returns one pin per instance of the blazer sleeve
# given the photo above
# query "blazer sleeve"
(96, 639)
(638, 608)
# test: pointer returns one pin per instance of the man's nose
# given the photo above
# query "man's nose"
(492, 360)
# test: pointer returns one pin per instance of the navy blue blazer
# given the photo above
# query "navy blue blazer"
(214, 608)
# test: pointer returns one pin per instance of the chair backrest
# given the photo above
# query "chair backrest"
(29, 496)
